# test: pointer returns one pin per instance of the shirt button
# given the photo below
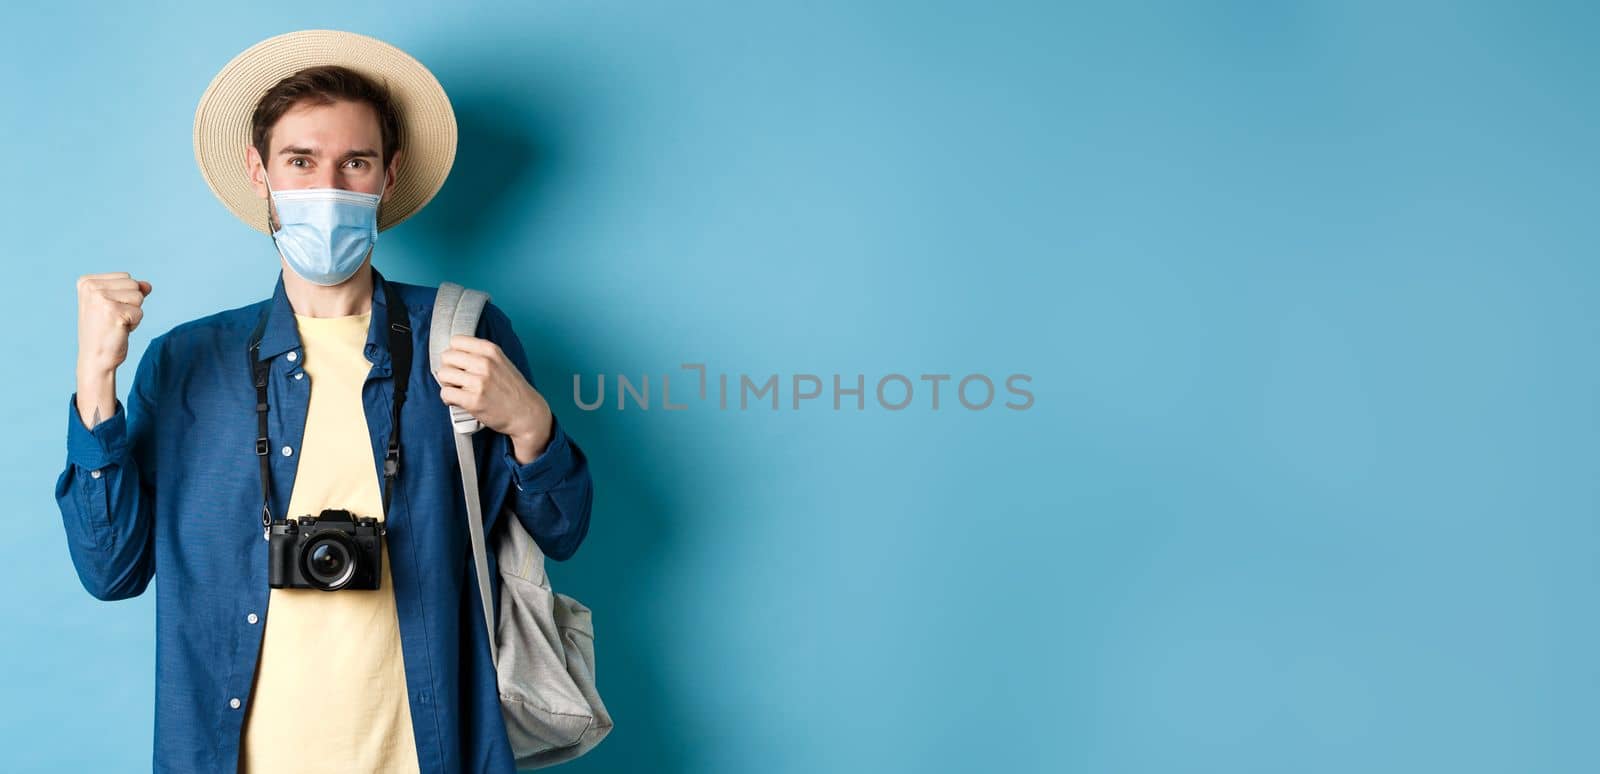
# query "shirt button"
(94, 473)
(292, 357)
(287, 451)
(300, 375)
(251, 618)
(234, 703)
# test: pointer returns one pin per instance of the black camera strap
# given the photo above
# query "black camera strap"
(400, 361)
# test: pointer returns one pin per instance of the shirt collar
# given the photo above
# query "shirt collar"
(282, 334)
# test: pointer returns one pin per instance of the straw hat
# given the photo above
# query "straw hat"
(222, 120)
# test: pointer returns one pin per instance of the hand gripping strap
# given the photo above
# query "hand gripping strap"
(456, 311)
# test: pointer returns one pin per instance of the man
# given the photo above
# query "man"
(303, 137)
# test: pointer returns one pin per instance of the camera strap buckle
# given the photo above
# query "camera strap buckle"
(391, 461)
(261, 446)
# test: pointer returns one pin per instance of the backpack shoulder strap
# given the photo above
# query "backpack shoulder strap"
(456, 311)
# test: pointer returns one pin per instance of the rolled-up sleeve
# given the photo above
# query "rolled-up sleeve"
(97, 448)
(106, 492)
(545, 471)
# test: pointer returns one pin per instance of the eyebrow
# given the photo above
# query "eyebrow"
(297, 151)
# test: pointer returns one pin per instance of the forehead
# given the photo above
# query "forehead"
(328, 129)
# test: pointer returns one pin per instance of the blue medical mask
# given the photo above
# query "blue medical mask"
(324, 234)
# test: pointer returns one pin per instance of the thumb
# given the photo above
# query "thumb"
(145, 287)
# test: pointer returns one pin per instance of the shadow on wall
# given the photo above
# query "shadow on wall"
(519, 146)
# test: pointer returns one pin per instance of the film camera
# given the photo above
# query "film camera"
(331, 551)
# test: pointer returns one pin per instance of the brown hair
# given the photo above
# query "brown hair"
(324, 86)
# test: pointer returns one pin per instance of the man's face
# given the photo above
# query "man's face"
(323, 146)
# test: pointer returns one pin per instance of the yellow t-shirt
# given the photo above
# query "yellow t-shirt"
(330, 686)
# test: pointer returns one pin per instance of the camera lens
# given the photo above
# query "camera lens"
(327, 561)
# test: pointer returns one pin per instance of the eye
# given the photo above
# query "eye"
(292, 161)
(358, 162)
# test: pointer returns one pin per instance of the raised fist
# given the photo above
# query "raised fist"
(110, 306)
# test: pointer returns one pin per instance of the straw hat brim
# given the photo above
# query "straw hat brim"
(222, 119)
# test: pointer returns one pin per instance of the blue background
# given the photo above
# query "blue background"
(1306, 291)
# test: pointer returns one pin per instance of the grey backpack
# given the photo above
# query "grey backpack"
(544, 650)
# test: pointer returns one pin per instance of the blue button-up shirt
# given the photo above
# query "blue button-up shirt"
(170, 490)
